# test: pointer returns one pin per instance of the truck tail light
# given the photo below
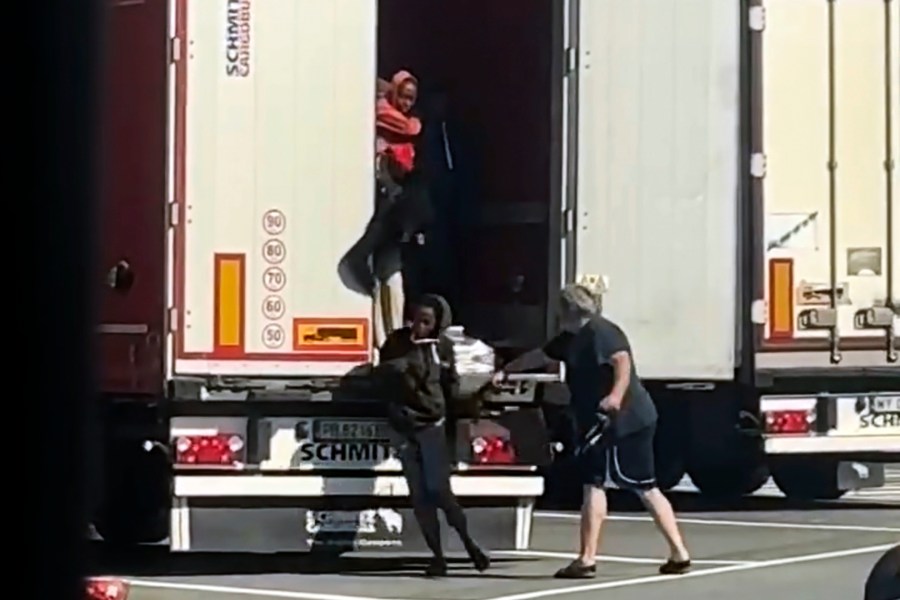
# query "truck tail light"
(222, 449)
(493, 450)
(790, 421)
(105, 589)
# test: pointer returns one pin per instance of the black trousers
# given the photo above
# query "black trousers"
(426, 466)
(399, 213)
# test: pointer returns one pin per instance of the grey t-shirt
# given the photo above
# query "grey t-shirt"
(590, 375)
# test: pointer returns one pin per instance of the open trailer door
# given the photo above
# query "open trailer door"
(828, 104)
(658, 185)
(273, 183)
(132, 218)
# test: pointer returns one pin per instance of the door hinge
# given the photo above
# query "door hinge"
(757, 18)
(174, 49)
(568, 222)
(758, 165)
(570, 61)
(173, 319)
(173, 214)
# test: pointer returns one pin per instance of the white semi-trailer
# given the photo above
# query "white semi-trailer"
(725, 175)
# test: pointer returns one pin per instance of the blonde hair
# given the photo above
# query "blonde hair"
(578, 300)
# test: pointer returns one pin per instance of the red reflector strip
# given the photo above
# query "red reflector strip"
(789, 421)
(223, 449)
(781, 298)
(228, 307)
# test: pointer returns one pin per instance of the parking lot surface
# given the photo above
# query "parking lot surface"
(762, 548)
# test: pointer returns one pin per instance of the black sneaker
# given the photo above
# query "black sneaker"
(576, 570)
(478, 556)
(675, 567)
(480, 559)
(436, 568)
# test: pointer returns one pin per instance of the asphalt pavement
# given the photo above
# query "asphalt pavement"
(760, 547)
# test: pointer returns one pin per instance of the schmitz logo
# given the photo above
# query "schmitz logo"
(352, 521)
(237, 38)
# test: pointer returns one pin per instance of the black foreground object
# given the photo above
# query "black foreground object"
(884, 579)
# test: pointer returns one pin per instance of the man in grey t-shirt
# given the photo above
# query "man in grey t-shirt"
(604, 383)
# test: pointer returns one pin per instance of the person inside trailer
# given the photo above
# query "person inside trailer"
(401, 205)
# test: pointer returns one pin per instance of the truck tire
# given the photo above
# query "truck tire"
(123, 530)
(136, 496)
(807, 480)
(726, 482)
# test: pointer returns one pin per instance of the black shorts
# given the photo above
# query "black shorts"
(628, 459)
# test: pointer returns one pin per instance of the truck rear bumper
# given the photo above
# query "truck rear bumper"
(272, 513)
(844, 446)
(248, 486)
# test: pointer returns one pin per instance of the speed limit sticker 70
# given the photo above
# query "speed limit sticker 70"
(274, 279)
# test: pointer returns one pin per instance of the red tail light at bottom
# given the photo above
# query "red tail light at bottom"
(105, 589)
(789, 421)
(223, 449)
(493, 450)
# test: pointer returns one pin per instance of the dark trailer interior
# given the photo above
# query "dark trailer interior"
(498, 65)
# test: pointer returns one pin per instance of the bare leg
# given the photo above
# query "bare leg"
(593, 513)
(661, 510)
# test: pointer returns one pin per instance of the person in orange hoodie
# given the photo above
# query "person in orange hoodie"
(402, 207)
(395, 127)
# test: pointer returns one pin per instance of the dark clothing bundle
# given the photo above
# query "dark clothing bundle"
(402, 209)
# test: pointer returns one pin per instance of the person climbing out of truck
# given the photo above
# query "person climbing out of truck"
(401, 205)
(603, 383)
(418, 378)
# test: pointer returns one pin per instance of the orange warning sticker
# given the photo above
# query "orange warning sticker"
(331, 335)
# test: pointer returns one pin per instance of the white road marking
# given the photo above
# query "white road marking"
(243, 591)
(777, 562)
(617, 559)
(730, 523)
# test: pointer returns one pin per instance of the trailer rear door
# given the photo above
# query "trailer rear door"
(828, 102)
(657, 186)
(132, 214)
(274, 177)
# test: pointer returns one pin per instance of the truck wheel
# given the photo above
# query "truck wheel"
(124, 530)
(807, 479)
(136, 499)
(729, 481)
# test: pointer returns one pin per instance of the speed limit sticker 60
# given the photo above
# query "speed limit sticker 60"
(273, 308)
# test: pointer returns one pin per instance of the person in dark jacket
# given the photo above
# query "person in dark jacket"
(419, 377)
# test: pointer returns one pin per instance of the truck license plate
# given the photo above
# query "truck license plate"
(878, 414)
(327, 430)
